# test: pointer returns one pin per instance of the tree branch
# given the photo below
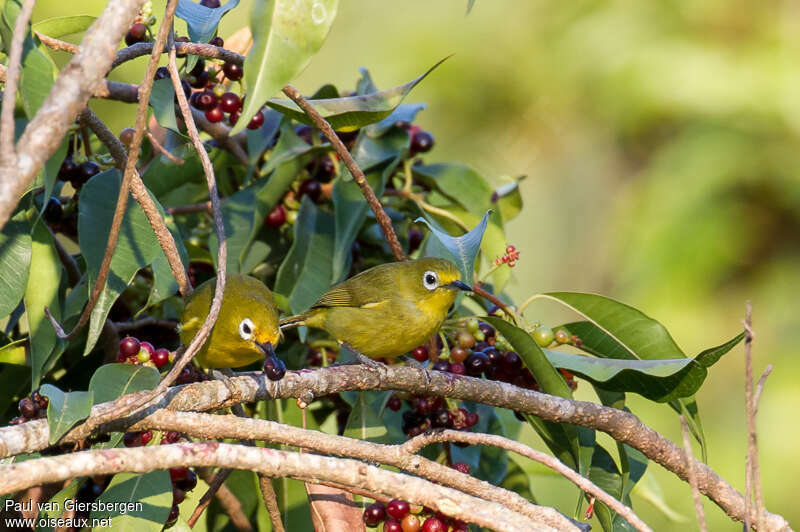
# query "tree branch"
(698, 504)
(202, 49)
(358, 176)
(270, 502)
(71, 90)
(270, 462)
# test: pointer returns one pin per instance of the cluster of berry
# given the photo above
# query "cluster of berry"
(511, 257)
(400, 516)
(132, 351)
(430, 412)
(32, 407)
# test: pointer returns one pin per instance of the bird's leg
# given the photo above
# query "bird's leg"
(410, 362)
(224, 376)
(362, 358)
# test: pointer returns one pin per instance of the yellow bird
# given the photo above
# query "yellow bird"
(246, 329)
(388, 310)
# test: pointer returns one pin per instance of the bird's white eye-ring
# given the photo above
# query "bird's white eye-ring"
(246, 329)
(430, 279)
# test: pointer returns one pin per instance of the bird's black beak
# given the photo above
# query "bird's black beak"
(459, 285)
(267, 349)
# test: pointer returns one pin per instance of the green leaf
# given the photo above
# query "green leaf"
(150, 495)
(352, 112)
(369, 152)
(462, 249)
(201, 21)
(15, 262)
(49, 173)
(42, 291)
(605, 474)
(286, 34)
(162, 100)
(458, 182)
(260, 139)
(405, 112)
(486, 462)
(470, 5)
(58, 27)
(364, 423)
(136, 248)
(55, 507)
(14, 353)
(111, 381)
(64, 410)
(305, 273)
(518, 481)
(508, 199)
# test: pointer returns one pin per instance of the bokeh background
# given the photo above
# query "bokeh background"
(661, 146)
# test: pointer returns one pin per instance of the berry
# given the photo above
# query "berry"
(199, 67)
(160, 358)
(441, 419)
(176, 474)
(423, 406)
(433, 524)
(493, 354)
(189, 482)
(233, 71)
(459, 526)
(217, 41)
(28, 408)
(86, 171)
(178, 495)
(234, 117)
(230, 102)
(186, 376)
(276, 218)
(204, 100)
(325, 170)
(511, 362)
(420, 353)
(171, 437)
(421, 142)
(214, 115)
(410, 523)
(137, 33)
(458, 368)
(187, 89)
(465, 339)
(414, 239)
(147, 346)
(458, 354)
(200, 80)
(392, 525)
(126, 136)
(121, 358)
(374, 514)
(471, 419)
(147, 437)
(487, 330)
(461, 467)
(441, 365)
(394, 403)
(143, 356)
(397, 508)
(476, 364)
(69, 170)
(310, 188)
(132, 439)
(257, 121)
(562, 337)
(213, 4)
(162, 73)
(543, 335)
(274, 368)
(53, 211)
(129, 346)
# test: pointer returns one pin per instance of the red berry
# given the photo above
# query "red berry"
(276, 218)
(230, 102)
(461, 467)
(188, 483)
(392, 525)
(374, 514)
(214, 115)
(132, 439)
(394, 403)
(458, 368)
(178, 495)
(510, 249)
(233, 71)
(204, 100)
(398, 508)
(234, 117)
(137, 33)
(28, 408)
(186, 376)
(147, 436)
(420, 353)
(432, 524)
(171, 437)
(459, 526)
(121, 358)
(257, 121)
(147, 346)
(410, 523)
(129, 346)
(471, 419)
(177, 474)
(160, 358)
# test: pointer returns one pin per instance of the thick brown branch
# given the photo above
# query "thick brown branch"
(71, 90)
(358, 176)
(270, 462)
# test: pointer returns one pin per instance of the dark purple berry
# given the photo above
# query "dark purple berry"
(421, 142)
(69, 170)
(394, 403)
(187, 89)
(310, 188)
(173, 515)
(274, 368)
(230, 102)
(414, 239)
(441, 365)
(442, 419)
(213, 4)
(476, 364)
(374, 514)
(162, 73)
(86, 171)
(187, 483)
(257, 121)
(511, 362)
(495, 357)
(233, 71)
(217, 41)
(178, 495)
(458, 368)
(53, 211)
(325, 170)
(486, 329)
(28, 408)
(199, 67)
(132, 439)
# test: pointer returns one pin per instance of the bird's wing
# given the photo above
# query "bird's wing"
(366, 289)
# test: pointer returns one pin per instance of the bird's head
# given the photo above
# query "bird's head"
(434, 283)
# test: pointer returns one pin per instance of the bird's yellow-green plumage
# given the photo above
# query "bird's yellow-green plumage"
(247, 326)
(387, 310)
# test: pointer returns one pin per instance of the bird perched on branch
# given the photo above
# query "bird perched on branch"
(246, 329)
(387, 310)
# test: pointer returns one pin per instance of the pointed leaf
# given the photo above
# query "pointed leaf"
(462, 249)
(15, 262)
(153, 492)
(508, 199)
(162, 100)
(64, 410)
(286, 34)
(460, 183)
(364, 423)
(405, 112)
(58, 27)
(352, 112)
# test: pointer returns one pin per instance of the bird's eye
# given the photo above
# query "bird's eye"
(430, 280)
(246, 328)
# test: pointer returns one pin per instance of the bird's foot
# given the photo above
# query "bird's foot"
(224, 376)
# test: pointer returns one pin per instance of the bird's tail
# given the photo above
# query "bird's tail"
(293, 321)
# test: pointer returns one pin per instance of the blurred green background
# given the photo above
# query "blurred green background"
(660, 140)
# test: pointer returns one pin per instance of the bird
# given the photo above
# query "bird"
(246, 329)
(387, 310)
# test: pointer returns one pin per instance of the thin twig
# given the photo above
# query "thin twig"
(698, 504)
(127, 326)
(162, 150)
(206, 50)
(760, 387)
(140, 194)
(57, 44)
(477, 289)
(358, 176)
(271, 502)
(188, 209)
(753, 473)
(8, 154)
(228, 501)
(415, 444)
(213, 487)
